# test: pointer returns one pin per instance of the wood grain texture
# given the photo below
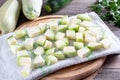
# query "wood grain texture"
(75, 72)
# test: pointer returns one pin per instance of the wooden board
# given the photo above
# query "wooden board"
(75, 72)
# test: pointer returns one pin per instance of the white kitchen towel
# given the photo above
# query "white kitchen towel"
(8, 62)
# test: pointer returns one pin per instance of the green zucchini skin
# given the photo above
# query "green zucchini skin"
(55, 5)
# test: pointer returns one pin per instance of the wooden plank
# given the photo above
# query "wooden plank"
(108, 74)
(112, 61)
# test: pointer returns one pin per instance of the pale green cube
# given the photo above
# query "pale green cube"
(38, 61)
(84, 16)
(74, 27)
(82, 29)
(41, 40)
(39, 51)
(87, 24)
(62, 28)
(50, 60)
(50, 34)
(33, 31)
(53, 25)
(23, 61)
(50, 51)
(75, 21)
(48, 44)
(89, 38)
(11, 40)
(59, 35)
(94, 45)
(43, 27)
(60, 44)
(79, 37)
(59, 55)
(66, 40)
(69, 51)
(70, 34)
(83, 52)
(78, 45)
(64, 20)
(19, 34)
(29, 42)
(106, 43)
(15, 48)
(22, 53)
(26, 71)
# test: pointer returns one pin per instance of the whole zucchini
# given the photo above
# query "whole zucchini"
(9, 13)
(55, 5)
(31, 8)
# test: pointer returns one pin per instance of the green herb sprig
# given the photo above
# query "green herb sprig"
(109, 10)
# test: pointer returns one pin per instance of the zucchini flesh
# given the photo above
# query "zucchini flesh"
(51, 60)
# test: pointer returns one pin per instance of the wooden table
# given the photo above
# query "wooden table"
(111, 68)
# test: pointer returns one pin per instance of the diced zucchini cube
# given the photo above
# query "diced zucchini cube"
(104, 35)
(106, 43)
(75, 21)
(41, 40)
(33, 32)
(50, 34)
(91, 33)
(70, 34)
(81, 29)
(53, 25)
(78, 45)
(83, 52)
(59, 55)
(60, 44)
(69, 51)
(50, 51)
(11, 40)
(79, 37)
(22, 53)
(59, 35)
(62, 28)
(39, 51)
(89, 38)
(29, 42)
(43, 27)
(64, 20)
(15, 48)
(87, 24)
(94, 45)
(74, 27)
(66, 40)
(84, 16)
(23, 61)
(48, 44)
(50, 60)
(26, 70)
(97, 31)
(19, 33)
(38, 61)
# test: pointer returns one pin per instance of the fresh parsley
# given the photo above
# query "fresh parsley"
(109, 10)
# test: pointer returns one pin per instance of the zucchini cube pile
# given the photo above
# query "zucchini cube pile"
(56, 40)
